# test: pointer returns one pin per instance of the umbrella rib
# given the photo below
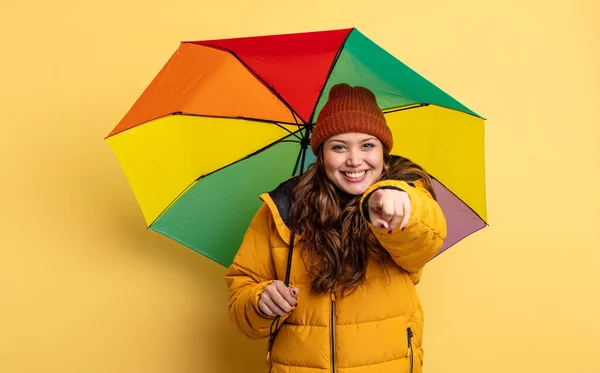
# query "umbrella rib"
(297, 162)
(249, 119)
(290, 132)
(244, 118)
(283, 139)
(415, 106)
(255, 75)
(267, 121)
(335, 60)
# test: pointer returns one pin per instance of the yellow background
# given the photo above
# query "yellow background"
(85, 288)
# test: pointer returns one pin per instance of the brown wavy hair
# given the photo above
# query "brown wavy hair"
(335, 237)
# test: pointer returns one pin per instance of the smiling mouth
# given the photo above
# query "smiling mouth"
(355, 175)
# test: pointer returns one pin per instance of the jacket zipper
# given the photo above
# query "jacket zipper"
(409, 333)
(332, 328)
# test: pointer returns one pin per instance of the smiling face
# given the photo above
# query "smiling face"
(353, 161)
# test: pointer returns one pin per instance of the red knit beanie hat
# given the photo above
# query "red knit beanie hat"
(350, 109)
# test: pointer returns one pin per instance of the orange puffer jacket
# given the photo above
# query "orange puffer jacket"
(376, 328)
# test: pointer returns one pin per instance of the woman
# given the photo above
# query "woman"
(365, 224)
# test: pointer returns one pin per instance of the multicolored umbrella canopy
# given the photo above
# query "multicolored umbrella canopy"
(222, 123)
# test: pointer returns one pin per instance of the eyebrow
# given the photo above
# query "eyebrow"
(344, 142)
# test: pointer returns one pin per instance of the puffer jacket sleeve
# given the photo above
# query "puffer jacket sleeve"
(252, 270)
(424, 235)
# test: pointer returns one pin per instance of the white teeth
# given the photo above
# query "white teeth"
(355, 175)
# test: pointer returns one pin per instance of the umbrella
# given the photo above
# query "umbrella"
(226, 120)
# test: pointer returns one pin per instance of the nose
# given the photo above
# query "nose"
(354, 159)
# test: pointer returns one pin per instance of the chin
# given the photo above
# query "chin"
(354, 189)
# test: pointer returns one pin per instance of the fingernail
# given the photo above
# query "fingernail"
(390, 231)
(382, 226)
(402, 228)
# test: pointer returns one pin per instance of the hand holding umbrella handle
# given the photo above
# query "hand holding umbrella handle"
(278, 299)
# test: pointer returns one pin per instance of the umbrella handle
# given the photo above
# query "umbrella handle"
(275, 324)
(304, 146)
(289, 261)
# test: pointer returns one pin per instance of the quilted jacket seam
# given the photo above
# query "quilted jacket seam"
(368, 365)
(297, 366)
(372, 321)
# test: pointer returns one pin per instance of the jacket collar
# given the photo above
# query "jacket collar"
(279, 202)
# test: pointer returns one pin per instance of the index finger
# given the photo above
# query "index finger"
(376, 199)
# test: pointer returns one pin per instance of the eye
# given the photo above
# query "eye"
(369, 145)
(337, 147)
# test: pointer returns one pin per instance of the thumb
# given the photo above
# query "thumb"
(295, 292)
